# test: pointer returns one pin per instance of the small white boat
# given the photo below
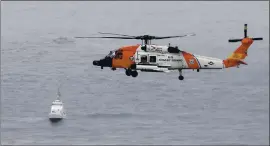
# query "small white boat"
(57, 112)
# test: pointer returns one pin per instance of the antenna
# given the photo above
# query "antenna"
(58, 92)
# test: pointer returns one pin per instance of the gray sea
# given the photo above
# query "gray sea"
(39, 52)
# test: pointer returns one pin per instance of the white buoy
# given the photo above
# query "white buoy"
(57, 112)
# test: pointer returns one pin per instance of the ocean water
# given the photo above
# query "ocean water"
(39, 52)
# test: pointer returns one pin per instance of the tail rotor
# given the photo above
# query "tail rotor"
(245, 36)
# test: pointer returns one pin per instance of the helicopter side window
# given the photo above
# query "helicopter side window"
(153, 59)
(143, 59)
(173, 49)
(119, 55)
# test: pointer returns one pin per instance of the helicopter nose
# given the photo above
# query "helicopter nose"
(95, 62)
(106, 62)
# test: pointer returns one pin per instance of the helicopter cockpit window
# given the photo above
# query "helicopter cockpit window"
(111, 54)
(118, 55)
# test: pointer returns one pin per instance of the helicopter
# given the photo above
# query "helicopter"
(146, 57)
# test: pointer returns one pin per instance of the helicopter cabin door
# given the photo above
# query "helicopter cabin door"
(146, 59)
(143, 59)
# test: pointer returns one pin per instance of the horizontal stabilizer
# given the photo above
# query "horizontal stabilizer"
(231, 62)
(242, 62)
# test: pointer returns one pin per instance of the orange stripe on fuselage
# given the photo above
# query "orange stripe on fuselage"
(125, 62)
(191, 60)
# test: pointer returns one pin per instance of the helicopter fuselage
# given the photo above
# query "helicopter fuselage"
(154, 58)
(164, 58)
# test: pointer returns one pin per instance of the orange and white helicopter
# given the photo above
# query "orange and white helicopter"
(154, 58)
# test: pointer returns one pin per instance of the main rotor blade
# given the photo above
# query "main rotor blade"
(116, 34)
(144, 37)
(109, 37)
(166, 37)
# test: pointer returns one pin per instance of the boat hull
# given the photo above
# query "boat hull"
(55, 119)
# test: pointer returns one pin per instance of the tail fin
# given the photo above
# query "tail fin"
(237, 57)
(241, 51)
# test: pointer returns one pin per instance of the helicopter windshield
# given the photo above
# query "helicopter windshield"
(111, 54)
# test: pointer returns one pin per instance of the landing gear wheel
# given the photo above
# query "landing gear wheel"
(128, 72)
(134, 74)
(181, 77)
